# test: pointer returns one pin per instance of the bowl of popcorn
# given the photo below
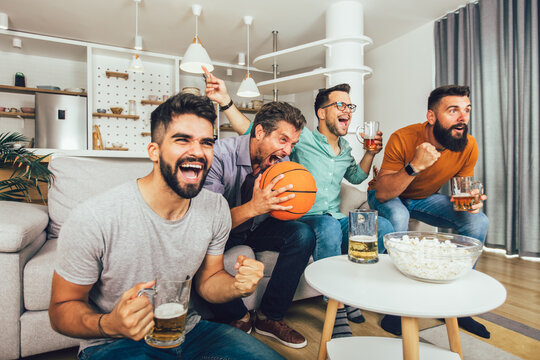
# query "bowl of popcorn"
(431, 256)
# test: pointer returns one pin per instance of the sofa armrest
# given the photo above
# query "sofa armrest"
(20, 224)
(351, 198)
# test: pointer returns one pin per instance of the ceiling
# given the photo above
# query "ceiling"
(168, 26)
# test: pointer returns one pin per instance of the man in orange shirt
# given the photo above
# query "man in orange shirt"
(418, 160)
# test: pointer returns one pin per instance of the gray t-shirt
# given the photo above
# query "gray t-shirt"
(115, 240)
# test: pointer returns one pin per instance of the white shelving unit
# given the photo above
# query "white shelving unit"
(311, 55)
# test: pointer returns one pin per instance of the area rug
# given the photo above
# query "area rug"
(473, 349)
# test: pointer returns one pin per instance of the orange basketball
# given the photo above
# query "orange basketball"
(304, 188)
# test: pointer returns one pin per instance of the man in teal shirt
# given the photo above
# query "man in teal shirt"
(327, 155)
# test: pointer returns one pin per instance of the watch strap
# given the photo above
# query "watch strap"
(410, 171)
(223, 108)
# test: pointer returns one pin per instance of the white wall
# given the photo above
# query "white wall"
(403, 76)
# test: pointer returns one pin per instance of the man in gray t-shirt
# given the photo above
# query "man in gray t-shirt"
(116, 244)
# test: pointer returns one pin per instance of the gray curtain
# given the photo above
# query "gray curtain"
(493, 46)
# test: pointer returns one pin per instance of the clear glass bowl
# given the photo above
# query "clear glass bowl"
(431, 256)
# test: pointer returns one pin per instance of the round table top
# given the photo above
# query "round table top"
(382, 288)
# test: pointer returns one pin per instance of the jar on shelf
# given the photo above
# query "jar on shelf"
(132, 109)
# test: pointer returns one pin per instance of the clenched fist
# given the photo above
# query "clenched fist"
(250, 271)
(425, 156)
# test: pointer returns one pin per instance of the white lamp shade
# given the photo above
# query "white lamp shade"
(136, 64)
(195, 57)
(248, 88)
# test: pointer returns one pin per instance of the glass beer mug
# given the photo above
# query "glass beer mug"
(363, 247)
(370, 130)
(170, 300)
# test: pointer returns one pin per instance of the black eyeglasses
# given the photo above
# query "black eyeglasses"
(341, 106)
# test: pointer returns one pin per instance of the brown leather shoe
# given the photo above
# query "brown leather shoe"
(243, 324)
(281, 332)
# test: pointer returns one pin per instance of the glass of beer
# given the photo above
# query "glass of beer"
(170, 300)
(363, 247)
(370, 130)
(466, 192)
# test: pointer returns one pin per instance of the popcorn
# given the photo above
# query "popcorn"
(430, 259)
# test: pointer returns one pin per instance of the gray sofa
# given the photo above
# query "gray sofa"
(28, 236)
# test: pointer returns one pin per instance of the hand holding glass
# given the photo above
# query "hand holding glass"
(170, 300)
(370, 130)
(466, 192)
(363, 247)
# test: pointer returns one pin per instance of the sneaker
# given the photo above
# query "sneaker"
(280, 331)
(243, 324)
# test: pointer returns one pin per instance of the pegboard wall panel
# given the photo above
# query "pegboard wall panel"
(157, 79)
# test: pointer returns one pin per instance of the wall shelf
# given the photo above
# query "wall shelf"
(145, 133)
(17, 115)
(33, 91)
(134, 117)
(117, 148)
(151, 102)
(120, 75)
(312, 54)
(311, 80)
(247, 110)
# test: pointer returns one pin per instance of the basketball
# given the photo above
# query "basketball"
(304, 188)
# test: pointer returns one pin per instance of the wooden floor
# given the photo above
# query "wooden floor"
(521, 279)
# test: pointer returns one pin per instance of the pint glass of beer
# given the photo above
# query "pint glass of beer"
(170, 300)
(363, 247)
(370, 130)
(466, 192)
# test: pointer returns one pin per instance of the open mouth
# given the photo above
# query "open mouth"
(344, 121)
(191, 172)
(274, 159)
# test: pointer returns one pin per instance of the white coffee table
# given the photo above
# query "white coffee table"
(383, 289)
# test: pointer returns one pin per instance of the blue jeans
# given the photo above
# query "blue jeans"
(436, 210)
(295, 242)
(206, 340)
(333, 234)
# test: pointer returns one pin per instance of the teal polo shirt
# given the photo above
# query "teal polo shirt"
(315, 153)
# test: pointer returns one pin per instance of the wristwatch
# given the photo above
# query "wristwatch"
(409, 169)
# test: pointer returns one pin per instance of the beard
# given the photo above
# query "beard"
(186, 191)
(445, 138)
(333, 128)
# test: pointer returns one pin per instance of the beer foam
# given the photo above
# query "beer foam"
(363, 238)
(169, 310)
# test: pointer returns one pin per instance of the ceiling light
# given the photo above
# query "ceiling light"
(248, 88)
(136, 62)
(241, 58)
(3, 21)
(196, 55)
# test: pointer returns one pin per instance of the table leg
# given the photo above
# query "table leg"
(329, 320)
(409, 329)
(453, 336)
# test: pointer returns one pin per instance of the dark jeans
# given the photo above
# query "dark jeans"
(206, 340)
(295, 242)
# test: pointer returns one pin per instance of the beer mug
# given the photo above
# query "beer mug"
(466, 192)
(363, 247)
(370, 129)
(170, 300)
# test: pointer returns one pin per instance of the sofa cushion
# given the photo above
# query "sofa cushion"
(37, 278)
(20, 224)
(79, 178)
(351, 198)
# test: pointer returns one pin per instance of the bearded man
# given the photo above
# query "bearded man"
(418, 160)
(115, 244)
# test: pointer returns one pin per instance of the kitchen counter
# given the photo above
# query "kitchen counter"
(90, 153)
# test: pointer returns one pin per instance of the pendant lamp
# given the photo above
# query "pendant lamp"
(196, 55)
(136, 62)
(248, 88)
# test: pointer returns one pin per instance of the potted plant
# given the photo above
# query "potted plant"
(27, 169)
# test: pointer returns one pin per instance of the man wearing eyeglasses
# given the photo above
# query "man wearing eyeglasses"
(327, 155)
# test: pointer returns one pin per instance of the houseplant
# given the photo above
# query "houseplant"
(27, 169)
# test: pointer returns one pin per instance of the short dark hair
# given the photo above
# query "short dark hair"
(182, 103)
(447, 90)
(324, 94)
(273, 112)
